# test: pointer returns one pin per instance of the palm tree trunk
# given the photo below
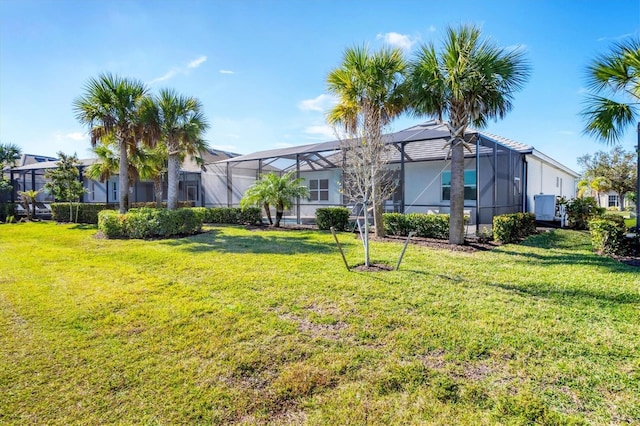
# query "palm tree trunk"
(267, 211)
(173, 176)
(456, 218)
(157, 191)
(123, 175)
(279, 214)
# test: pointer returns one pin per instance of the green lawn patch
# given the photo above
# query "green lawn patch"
(236, 326)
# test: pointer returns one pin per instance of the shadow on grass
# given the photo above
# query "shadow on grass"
(571, 295)
(568, 248)
(256, 243)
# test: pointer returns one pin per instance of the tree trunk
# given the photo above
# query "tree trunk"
(267, 211)
(279, 214)
(456, 215)
(157, 191)
(173, 175)
(378, 221)
(123, 175)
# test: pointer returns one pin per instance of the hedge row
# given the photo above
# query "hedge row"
(425, 225)
(509, 228)
(231, 215)
(149, 223)
(87, 212)
(338, 217)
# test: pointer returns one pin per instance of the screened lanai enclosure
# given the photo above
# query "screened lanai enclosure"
(495, 174)
(32, 177)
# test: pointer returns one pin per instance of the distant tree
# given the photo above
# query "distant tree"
(369, 90)
(599, 185)
(64, 181)
(279, 191)
(615, 170)
(9, 154)
(111, 108)
(470, 81)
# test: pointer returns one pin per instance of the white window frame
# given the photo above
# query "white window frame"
(443, 185)
(316, 190)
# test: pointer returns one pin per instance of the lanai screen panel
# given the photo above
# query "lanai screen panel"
(500, 180)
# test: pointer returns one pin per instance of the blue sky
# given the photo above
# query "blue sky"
(260, 67)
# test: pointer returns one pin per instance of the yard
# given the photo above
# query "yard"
(237, 326)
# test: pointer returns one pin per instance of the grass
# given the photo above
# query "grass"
(254, 327)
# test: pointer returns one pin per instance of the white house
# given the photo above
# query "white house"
(501, 175)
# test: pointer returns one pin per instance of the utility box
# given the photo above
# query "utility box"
(545, 207)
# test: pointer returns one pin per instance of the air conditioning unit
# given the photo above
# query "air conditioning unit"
(545, 206)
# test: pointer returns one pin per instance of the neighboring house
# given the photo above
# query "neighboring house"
(32, 176)
(501, 175)
(611, 200)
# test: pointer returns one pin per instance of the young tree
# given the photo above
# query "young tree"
(615, 170)
(469, 81)
(368, 87)
(110, 107)
(277, 190)
(64, 181)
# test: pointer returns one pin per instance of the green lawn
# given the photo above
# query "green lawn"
(248, 327)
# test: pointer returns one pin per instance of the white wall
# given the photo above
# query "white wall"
(546, 178)
(308, 207)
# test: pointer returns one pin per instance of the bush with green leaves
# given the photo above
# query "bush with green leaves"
(233, 215)
(581, 210)
(425, 225)
(608, 235)
(6, 210)
(150, 223)
(338, 217)
(509, 228)
(87, 212)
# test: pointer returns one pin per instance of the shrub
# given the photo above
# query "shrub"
(152, 204)
(581, 210)
(149, 223)
(233, 215)
(338, 217)
(425, 225)
(6, 210)
(87, 212)
(112, 224)
(608, 235)
(509, 228)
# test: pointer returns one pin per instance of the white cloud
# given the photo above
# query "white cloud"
(567, 132)
(283, 145)
(582, 91)
(320, 103)
(226, 72)
(618, 37)
(76, 136)
(432, 29)
(197, 62)
(179, 70)
(165, 77)
(398, 40)
(324, 131)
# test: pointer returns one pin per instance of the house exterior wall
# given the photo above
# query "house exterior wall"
(214, 184)
(333, 176)
(546, 178)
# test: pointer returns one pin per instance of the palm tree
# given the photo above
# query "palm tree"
(180, 125)
(599, 185)
(29, 198)
(9, 154)
(368, 86)
(469, 81)
(110, 106)
(277, 190)
(259, 194)
(617, 76)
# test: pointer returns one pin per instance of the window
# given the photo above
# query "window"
(613, 201)
(319, 190)
(115, 191)
(469, 185)
(92, 190)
